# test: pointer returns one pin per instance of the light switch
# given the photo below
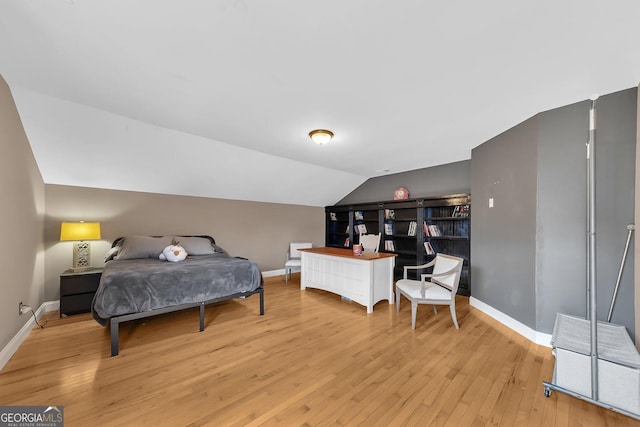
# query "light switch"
(490, 202)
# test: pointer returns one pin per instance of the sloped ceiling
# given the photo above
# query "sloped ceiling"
(215, 98)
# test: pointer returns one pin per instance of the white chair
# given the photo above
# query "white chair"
(293, 260)
(440, 290)
(370, 242)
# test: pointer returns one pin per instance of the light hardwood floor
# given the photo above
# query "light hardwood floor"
(312, 359)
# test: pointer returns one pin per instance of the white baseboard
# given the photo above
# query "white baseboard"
(511, 323)
(9, 350)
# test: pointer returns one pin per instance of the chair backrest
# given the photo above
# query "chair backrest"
(293, 248)
(370, 242)
(445, 263)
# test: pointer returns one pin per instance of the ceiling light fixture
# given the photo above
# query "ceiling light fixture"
(321, 136)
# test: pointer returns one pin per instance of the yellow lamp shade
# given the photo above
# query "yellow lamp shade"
(80, 231)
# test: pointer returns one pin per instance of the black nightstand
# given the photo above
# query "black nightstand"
(77, 289)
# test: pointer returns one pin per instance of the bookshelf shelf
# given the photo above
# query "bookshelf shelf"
(449, 238)
(449, 218)
(402, 225)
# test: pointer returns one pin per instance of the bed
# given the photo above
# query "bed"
(135, 284)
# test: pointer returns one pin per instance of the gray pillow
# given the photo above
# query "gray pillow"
(195, 245)
(143, 247)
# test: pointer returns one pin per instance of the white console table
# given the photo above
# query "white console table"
(365, 279)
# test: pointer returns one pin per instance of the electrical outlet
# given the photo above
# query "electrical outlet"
(24, 308)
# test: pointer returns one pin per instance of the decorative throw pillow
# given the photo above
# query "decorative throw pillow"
(173, 253)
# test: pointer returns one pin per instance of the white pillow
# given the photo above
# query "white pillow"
(112, 253)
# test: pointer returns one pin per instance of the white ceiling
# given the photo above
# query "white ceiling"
(138, 86)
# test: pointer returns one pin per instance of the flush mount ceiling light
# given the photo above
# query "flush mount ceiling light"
(321, 136)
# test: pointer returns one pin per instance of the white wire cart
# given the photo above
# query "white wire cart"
(618, 371)
(595, 361)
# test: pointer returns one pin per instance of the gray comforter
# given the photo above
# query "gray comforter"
(139, 285)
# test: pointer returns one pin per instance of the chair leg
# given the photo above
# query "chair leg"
(414, 313)
(286, 277)
(435, 310)
(452, 307)
(397, 300)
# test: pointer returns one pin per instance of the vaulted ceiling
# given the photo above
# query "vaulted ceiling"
(216, 98)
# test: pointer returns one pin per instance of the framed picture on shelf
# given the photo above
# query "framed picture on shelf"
(401, 193)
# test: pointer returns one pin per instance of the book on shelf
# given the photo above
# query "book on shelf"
(431, 230)
(358, 215)
(434, 230)
(347, 230)
(413, 225)
(429, 249)
(389, 214)
(360, 229)
(461, 211)
(388, 228)
(346, 242)
(389, 245)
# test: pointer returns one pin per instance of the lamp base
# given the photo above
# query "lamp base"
(81, 256)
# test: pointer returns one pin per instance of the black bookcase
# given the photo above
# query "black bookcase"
(339, 223)
(414, 229)
(446, 229)
(366, 220)
(398, 236)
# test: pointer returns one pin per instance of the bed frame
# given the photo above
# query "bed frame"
(114, 322)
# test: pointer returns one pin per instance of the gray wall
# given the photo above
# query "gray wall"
(503, 245)
(529, 252)
(21, 221)
(452, 178)
(615, 157)
(561, 215)
(260, 231)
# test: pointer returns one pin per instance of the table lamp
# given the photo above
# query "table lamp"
(79, 232)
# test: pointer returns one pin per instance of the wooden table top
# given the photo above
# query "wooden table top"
(348, 253)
